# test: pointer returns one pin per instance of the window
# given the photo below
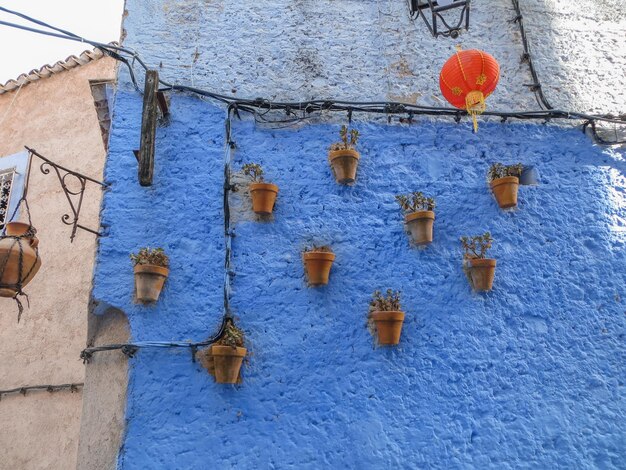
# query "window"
(13, 170)
(6, 181)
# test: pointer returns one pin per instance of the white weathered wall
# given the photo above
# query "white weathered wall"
(371, 50)
(55, 116)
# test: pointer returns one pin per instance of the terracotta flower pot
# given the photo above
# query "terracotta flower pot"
(317, 265)
(11, 274)
(420, 224)
(505, 191)
(149, 280)
(388, 326)
(344, 164)
(227, 361)
(482, 272)
(263, 197)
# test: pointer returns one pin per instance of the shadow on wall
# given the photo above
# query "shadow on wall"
(104, 393)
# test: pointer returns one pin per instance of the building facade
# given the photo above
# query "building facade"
(61, 111)
(529, 374)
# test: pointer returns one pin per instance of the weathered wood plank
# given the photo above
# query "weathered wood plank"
(148, 128)
(163, 104)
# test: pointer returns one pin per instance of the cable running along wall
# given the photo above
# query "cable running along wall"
(73, 387)
(298, 111)
(129, 349)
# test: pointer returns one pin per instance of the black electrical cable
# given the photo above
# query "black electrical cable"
(129, 349)
(312, 106)
(307, 108)
(598, 138)
(526, 57)
(72, 387)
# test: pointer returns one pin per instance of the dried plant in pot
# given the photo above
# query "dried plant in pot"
(479, 269)
(343, 157)
(419, 216)
(223, 358)
(19, 258)
(386, 313)
(317, 263)
(504, 180)
(151, 271)
(263, 194)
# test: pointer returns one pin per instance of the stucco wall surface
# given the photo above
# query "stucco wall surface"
(370, 50)
(530, 375)
(56, 116)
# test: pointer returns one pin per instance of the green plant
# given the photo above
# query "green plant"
(477, 246)
(254, 171)
(322, 249)
(154, 256)
(232, 336)
(346, 143)
(415, 201)
(389, 302)
(498, 170)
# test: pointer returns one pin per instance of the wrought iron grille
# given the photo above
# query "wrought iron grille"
(6, 182)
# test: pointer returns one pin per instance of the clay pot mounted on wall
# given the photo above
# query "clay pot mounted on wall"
(343, 157)
(151, 271)
(504, 180)
(18, 242)
(387, 316)
(419, 216)
(480, 271)
(317, 263)
(224, 358)
(263, 194)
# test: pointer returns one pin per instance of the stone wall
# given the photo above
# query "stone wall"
(370, 50)
(529, 374)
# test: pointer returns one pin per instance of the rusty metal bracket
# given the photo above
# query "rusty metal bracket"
(74, 198)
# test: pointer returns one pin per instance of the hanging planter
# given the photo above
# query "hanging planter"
(223, 358)
(343, 157)
(480, 271)
(263, 194)
(504, 180)
(317, 263)
(19, 258)
(151, 271)
(388, 318)
(419, 216)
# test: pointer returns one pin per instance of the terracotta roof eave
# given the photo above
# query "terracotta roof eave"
(48, 70)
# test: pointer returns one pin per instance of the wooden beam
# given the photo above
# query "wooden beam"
(148, 128)
(163, 104)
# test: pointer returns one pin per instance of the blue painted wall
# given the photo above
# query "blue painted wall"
(529, 375)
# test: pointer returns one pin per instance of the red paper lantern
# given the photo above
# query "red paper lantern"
(467, 79)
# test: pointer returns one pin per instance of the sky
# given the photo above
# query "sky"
(21, 51)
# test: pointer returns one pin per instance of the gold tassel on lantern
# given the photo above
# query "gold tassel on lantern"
(475, 105)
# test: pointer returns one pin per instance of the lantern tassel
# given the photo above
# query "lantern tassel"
(475, 105)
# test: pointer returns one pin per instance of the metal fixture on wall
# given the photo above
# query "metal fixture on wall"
(74, 197)
(435, 8)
